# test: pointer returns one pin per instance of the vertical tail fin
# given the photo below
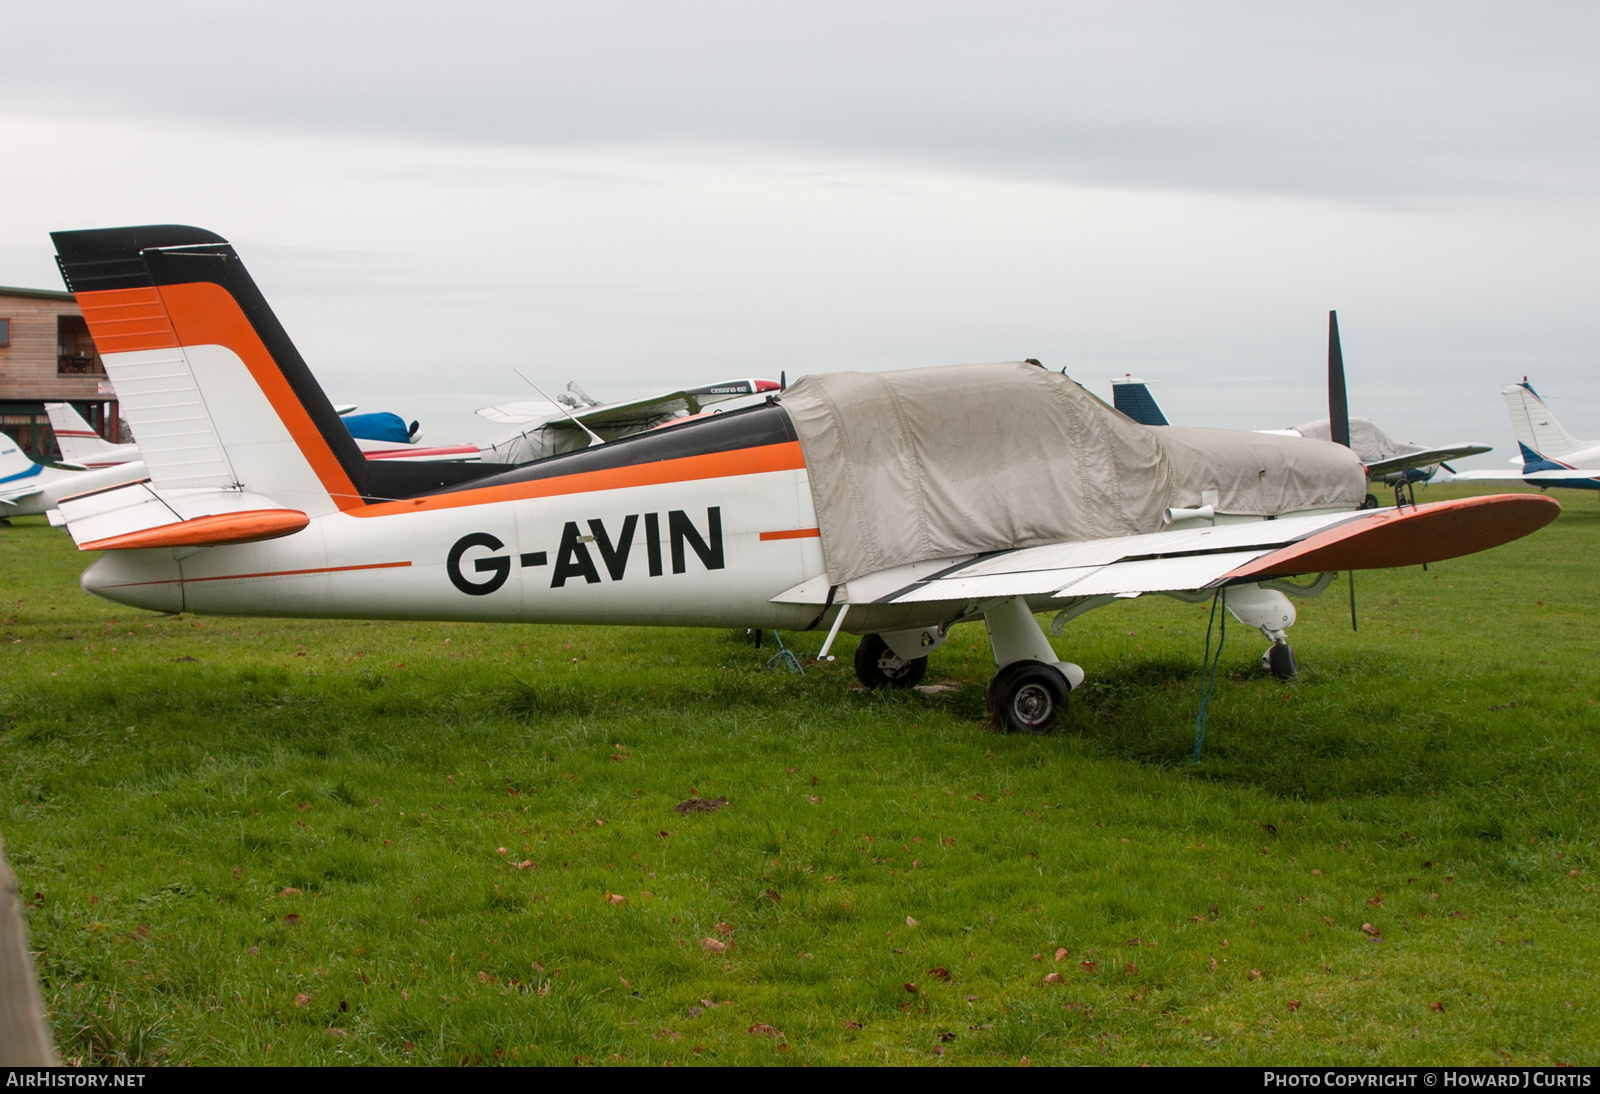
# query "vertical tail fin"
(1536, 428)
(77, 438)
(210, 382)
(1131, 395)
(15, 465)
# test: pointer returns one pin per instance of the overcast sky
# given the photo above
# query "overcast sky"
(639, 196)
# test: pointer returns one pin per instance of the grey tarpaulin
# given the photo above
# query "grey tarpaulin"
(938, 462)
(24, 1037)
(1369, 442)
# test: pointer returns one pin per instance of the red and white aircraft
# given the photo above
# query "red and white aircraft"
(258, 502)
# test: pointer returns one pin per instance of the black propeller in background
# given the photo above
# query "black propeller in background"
(1338, 405)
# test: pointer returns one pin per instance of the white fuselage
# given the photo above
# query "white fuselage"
(393, 562)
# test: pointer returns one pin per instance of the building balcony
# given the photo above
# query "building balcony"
(79, 365)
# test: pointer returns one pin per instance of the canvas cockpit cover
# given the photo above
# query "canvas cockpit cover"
(939, 462)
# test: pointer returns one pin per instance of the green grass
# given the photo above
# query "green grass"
(166, 779)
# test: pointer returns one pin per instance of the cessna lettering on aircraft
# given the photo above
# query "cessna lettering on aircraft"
(1396, 463)
(891, 505)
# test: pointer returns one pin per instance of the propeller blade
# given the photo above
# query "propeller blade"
(1338, 405)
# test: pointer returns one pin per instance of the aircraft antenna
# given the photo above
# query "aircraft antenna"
(594, 438)
(1338, 405)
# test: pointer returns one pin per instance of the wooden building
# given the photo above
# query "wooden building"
(46, 355)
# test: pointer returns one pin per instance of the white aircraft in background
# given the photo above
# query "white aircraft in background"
(80, 445)
(1550, 456)
(574, 420)
(892, 505)
(1399, 464)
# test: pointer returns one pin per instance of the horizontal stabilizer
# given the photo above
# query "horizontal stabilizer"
(1428, 457)
(135, 515)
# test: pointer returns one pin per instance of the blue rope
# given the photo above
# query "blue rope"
(1209, 684)
(783, 657)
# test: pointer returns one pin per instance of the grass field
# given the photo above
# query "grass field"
(282, 841)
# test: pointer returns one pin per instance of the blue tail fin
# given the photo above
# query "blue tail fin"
(1132, 396)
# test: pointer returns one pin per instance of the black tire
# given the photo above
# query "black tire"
(1370, 502)
(1028, 697)
(877, 666)
(1279, 660)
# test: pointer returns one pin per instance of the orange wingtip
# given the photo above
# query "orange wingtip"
(246, 527)
(1410, 537)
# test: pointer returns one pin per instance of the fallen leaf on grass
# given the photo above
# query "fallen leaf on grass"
(939, 972)
(1436, 1006)
(1370, 931)
(715, 945)
(761, 1029)
(699, 805)
(1088, 966)
(291, 919)
(1062, 952)
(852, 1025)
(616, 898)
(724, 929)
(1038, 957)
(910, 922)
(1255, 974)
(302, 1000)
(334, 1031)
(1051, 978)
(1294, 1005)
(289, 890)
(1130, 969)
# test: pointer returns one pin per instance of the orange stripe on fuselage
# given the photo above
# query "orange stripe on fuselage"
(205, 314)
(267, 573)
(794, 533)
(127, 320)
(716, 465)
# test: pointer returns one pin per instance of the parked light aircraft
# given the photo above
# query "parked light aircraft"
(891, 505)
(1550, 456)
(80, 445)
(1395, 463)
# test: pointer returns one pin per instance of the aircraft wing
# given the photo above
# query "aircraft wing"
(13, 494)
(1208, 558)
(634, 415)
(1426, 458)
(1535, 477)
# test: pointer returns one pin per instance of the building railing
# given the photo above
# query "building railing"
(78, 365)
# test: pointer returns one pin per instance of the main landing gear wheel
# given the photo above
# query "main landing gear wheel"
(1027, 697)
(878, 666)
(1279, 660)
(1370, 502)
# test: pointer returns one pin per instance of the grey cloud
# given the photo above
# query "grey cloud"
(1373, 103)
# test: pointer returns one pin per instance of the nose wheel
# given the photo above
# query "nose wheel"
(1027, 697)
(1279, 660)
(878, 666)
